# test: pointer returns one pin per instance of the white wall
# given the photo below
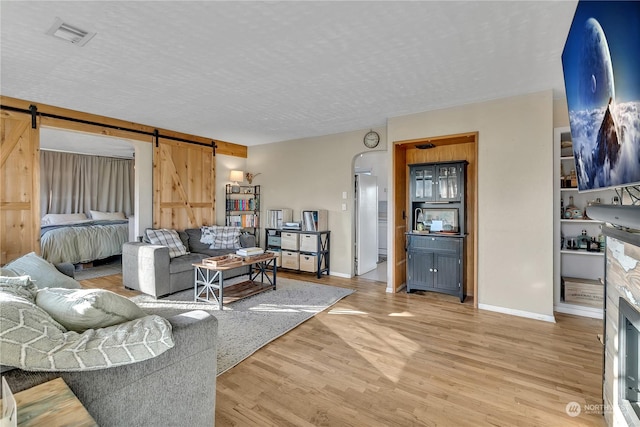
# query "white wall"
(515, 195)
(143, 203)
(313, 173)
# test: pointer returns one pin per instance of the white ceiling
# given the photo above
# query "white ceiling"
(261, 72)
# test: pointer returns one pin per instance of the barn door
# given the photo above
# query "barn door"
(184, 185)
(19, 186)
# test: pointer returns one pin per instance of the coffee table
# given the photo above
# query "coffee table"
(209, 284)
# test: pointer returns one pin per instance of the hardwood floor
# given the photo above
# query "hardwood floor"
(378, 359)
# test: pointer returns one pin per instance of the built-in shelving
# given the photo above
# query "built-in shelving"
(575, 263)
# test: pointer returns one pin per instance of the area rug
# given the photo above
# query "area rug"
(249, 324)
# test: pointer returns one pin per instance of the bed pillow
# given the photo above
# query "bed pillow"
(42, 272)
(32, 340)
(81, 309)
(56, 219)
(168, 238)
(110, 216)
(226, 238)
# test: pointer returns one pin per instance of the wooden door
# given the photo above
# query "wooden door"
(184, 185)
(19, 186)
(400, 183)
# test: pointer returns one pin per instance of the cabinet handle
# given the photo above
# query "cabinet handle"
(435, 270)
(431, 270)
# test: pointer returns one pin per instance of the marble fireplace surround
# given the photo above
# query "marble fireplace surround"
(622, 281)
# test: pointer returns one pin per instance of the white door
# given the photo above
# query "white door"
(366, 223)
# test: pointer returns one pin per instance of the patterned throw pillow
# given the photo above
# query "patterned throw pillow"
(226, 238)
(31, 340)
(168, 238)
(206, 234)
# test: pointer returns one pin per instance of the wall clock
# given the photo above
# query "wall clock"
(371, 139)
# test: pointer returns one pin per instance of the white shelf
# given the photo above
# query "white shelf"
(566, 158)
(577, 221)
(581, 252)
(569, 189)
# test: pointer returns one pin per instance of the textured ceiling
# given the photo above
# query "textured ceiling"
(260, 72)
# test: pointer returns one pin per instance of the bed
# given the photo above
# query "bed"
(83, 241)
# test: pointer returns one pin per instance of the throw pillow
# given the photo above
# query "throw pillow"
(42, 272)
(207, 233)
(97, 215)
(168, 238)
(82, 309)
(226, 238)
(31, 340)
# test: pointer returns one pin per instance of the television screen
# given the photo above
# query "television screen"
(601, 65)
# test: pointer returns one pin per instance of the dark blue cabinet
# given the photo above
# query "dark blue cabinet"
(435, 244)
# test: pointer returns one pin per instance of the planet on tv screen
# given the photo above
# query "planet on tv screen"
(601, 66)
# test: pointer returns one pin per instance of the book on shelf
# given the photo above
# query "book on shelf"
(245, 221)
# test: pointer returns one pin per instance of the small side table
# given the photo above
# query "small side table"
(51, 404)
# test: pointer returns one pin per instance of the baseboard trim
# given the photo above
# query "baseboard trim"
(519, 313)
(346, 276)
(592, 312)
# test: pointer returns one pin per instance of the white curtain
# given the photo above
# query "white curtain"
(77, 183)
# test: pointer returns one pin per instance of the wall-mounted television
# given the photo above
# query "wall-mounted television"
(601, 66)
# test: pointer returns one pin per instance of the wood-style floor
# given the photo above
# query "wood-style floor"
(378, 359)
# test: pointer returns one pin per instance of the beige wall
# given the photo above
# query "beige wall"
(515, 195)
(313, 173)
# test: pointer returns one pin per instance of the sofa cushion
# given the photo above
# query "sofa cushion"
(195, 245)
(216, 252)
(31, 340)
(42, 272)
(168, 238)
(82, 309)
(184, 262)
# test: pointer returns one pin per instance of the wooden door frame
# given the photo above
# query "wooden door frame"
(400, 184)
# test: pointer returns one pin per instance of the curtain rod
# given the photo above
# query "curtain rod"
(33, 111)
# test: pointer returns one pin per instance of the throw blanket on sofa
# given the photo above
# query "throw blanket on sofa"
(83, 242)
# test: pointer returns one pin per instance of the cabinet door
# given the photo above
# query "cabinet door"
(448, 183)
(420, 270)
(447, 272)
(422, 179)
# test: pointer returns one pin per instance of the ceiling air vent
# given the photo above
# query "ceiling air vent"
(69, 33)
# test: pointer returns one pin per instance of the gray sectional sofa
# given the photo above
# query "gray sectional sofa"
(176, 388)
(147, 268)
